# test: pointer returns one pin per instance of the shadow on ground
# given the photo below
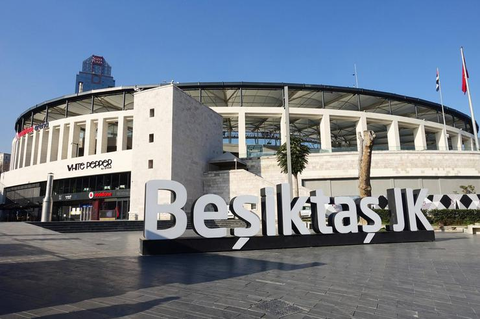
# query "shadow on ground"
(32, 285)
(112, 311)
(447, 239)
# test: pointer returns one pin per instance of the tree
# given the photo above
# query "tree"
(365, 147)
(299, 154)
(467, 189)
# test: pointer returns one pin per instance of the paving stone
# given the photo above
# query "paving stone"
(365, 315)
(73, 277)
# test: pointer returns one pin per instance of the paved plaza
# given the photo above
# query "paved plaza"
(100, 275)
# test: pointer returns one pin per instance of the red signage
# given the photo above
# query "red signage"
(29, 130)
(25, 131)
(97, 59)
(93, 195)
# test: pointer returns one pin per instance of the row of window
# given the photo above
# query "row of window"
(151, 139)
(113, 181)
(32, 192)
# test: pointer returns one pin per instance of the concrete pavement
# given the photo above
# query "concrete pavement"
(100, 275)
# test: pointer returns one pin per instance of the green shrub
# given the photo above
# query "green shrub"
(384, 215)
(448, 217)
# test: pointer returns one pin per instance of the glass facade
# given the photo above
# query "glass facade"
(24, 202)
(96, 74)
(97, 197)
(115, 181)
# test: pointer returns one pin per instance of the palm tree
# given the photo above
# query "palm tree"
(299, 154)
(365, 148)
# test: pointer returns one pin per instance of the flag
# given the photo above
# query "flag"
(464, 78)
(437, 87)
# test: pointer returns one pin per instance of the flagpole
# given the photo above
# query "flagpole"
(356, 76)
(474, 124)
(443, 111)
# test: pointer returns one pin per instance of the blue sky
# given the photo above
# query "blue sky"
(396, 45)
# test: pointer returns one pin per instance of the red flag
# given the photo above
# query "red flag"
(464, 78)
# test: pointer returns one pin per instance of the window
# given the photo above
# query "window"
(123, 181)
(115, 181)
(150, 138)
(152, 112)
(78, 185)
(107, 182)
(112, 132)
(61, 187)
(88, 184)
(100, 183)
(129, 134)
(150, 164)
(92, 183)
(68, 187)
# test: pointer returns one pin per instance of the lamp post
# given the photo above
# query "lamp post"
(47, 200)
(287, 138)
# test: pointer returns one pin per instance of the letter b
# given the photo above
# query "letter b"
(152, 209)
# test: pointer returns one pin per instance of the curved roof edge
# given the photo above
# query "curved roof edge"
(258, 85)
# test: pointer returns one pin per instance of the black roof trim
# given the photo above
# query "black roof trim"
(253, 85)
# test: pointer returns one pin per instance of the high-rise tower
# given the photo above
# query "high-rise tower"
(96, 74)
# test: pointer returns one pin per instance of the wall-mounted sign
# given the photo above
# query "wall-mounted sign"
(119, 193)
(101, 164)
(102, 194)
(29, 130)
(342, 227)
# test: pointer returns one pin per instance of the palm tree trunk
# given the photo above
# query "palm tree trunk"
(360, 152)
(364, 179)
(296, 186)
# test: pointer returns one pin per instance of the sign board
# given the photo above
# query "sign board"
(101, 194)
(408, 221)
(88, 195)
(29, 130)
(100, 164)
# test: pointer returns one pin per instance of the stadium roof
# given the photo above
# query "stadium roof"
(225, 94)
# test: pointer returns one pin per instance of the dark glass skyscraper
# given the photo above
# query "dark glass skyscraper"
(96, 74)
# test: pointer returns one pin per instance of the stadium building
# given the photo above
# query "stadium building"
(103, 145)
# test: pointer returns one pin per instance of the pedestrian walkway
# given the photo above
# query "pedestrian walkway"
(101, 275)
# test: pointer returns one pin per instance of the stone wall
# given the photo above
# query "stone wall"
(441, 171)
(228, 184)
(197, 139)
(187, 135)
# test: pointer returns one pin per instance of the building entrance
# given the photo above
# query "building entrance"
(101, 209)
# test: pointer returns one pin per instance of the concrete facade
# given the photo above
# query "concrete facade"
(459, 139)
(336, 174)
(51, 144)
(441, 172)
(170, 134)
(186, 135)
(232, 183)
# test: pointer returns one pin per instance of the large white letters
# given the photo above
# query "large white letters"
(346, 221)
(249, 217)
(405, 206)
(415, 209)
(374, 222)
(268, 211)
(289, 217)
(395, 203)
(319, 212)
(152, 209)
(200, 215)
